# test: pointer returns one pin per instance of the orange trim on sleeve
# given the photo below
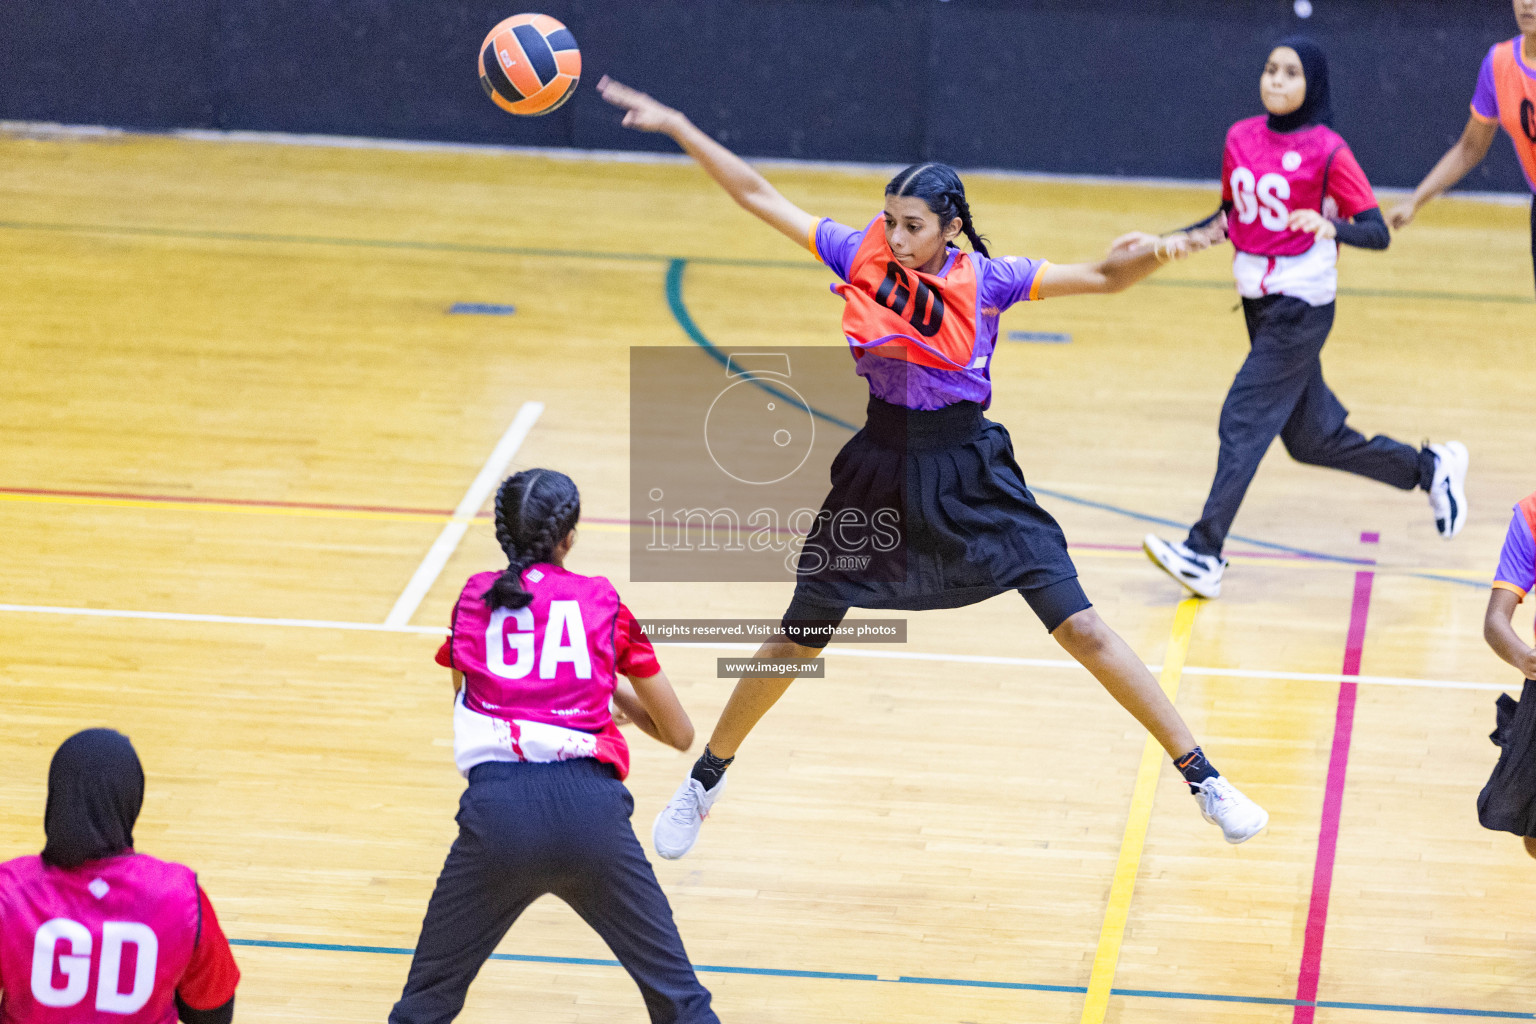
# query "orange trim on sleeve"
(1034, 286)
(1501, 585)
(810, 241)
(1481, 118)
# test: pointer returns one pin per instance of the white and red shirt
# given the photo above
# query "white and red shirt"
(1266, 175)
(113, 940)
(538, 680)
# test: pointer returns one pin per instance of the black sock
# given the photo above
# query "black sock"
(709, 769)
(1195, 768)
(1427, 463)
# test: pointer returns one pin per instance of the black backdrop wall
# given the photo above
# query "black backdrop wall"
(1132, 87)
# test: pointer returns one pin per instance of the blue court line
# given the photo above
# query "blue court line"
(643, 257)
(679, 308)
(482, 309)
(1040, 337)
(1018, 986)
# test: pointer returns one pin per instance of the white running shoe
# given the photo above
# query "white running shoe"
(677, 826)
(1448, 495)
(1200, 573)
(1238, 817)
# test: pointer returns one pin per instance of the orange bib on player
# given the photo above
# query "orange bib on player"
(906, 314)
(1517, 104)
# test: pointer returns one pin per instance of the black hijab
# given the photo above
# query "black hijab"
(95, 790)
(1316, 107)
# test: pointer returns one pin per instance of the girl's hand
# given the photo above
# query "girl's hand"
(1133, 240)
(1313, 223)
(1164, 247)
(620, 717)
(1212, 234)
(640, 111)
(1401, 215)
(1171, 247)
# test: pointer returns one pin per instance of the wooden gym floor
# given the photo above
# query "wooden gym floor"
(233, 404)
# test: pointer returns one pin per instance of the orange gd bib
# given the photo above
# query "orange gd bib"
(905, 314)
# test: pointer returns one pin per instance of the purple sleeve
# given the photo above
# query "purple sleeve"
(1517, 562)
(836, 245)
(1008, 279)
(1485, 99)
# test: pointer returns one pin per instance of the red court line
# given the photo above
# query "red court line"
(1333, 804)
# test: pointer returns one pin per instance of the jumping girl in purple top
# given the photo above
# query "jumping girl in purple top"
(921, 320)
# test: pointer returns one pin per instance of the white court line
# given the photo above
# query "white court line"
(453, 531)
(844, 652)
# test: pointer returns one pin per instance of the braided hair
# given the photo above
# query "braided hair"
(535, 510)
(940, 187)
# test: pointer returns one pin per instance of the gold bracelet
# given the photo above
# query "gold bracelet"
(1162, 255)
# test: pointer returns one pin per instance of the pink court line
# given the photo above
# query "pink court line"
(1333, 801)
(321, 506)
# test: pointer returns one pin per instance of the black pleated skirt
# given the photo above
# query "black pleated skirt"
(1508, 802)
(965, 524)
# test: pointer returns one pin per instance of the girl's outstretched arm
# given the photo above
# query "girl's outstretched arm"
(734, 174)
(1131, 257)
(1466, 154)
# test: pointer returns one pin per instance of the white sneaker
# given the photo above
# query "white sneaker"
(1200, 573)
(1238, 817)
(1447, 494)
(677, 826)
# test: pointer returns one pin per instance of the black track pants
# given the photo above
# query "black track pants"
(1280, 391)
(561, 828)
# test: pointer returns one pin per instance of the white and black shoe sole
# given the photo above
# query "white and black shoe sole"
(1169, 561)
(1454, 489)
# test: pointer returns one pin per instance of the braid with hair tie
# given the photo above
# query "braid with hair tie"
(553, 530)
(939, 186)
(507, 591)
(978, 243)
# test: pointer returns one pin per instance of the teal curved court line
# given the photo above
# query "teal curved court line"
(684, 320)
(1017, 986)
(676, 268)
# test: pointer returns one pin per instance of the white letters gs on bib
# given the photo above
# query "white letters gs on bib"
(1263, 200)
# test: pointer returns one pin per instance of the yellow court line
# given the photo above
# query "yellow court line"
(1107, 956)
